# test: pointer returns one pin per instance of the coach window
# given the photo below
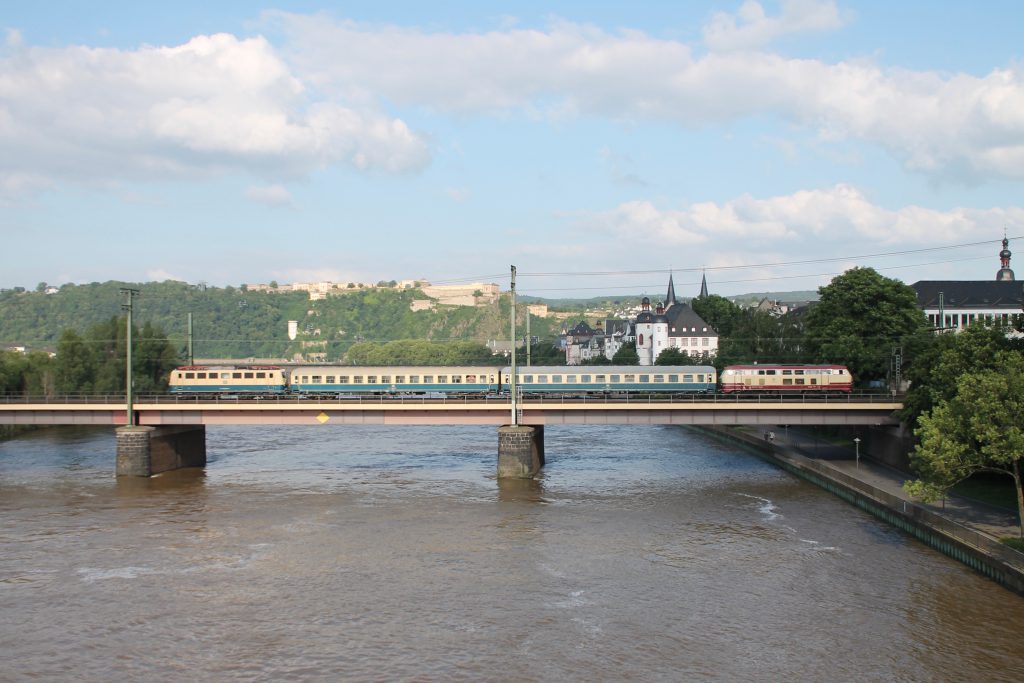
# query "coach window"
(371, 379)
(442, 379)
(399, 379)
(769, 372)
(556, 379)
(414, 379)
(225, 375)
(528, 379)
(343, 379)
(616, 379)
(645, 379)
(317, 379)
(358, 379)
(787, 372)
(630, 378)
(798, 372)
(673, 378)
(585, 378)
(261, 375)
(542, 379)
(189, 375)
(600, 379)
(799, 380)
(385, 379)
(687, 378)
(786, 381)
(428, 379)
(570, 378)
(329, 379)
(470, 379)
(235, 375)
(248, 375)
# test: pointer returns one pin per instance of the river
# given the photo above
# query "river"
(392, 553)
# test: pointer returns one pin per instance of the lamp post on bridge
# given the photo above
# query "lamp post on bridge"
(856, 444)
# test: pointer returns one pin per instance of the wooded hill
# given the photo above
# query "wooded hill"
(235, 323)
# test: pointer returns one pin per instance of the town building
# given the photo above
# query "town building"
(955, 304)
(673, 325)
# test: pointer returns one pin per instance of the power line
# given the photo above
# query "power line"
(763, 265)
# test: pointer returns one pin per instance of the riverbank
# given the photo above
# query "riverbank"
(966, 530)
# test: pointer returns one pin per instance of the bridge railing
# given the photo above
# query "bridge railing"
(527, 399)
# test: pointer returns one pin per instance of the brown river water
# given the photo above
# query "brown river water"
(393, 554)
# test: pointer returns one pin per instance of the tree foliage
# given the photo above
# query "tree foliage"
(859, 318)
(95, 363)
(938, 361)
(718, 312)
(25, 373)
(978, 428)
(626, 355)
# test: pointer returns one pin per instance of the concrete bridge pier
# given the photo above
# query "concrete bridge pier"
(520, 451)
(145, 451)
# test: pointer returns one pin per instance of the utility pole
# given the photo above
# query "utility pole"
(512, 376)
(131, 294)
(191, 357)
(529, 342)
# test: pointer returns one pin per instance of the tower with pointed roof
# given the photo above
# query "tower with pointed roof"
(703, 286)
(1005, 274)
(670, 296)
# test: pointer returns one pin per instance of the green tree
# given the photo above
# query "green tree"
(859, 318)
(672, 356)
(758, 336)
(936, 363)
(626, 355)
(75, 365)
(718, 312)
(978, 429)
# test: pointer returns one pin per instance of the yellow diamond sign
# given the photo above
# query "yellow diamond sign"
(322, 418)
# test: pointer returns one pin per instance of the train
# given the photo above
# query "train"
(351, 381)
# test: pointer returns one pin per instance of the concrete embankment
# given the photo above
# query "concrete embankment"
(878, 493)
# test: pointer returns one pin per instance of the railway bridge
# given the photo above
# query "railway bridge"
(168, 432)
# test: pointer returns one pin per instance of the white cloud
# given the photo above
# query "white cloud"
(751, 28)
(837, 215)
(952, 125)
(215, 103)
(273, 195)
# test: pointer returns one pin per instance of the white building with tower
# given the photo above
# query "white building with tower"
(673, 325)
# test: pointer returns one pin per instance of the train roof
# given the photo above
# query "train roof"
(784, 366)
(581, 369)
(228, 367)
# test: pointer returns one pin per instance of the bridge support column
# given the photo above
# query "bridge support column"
(520, 451)
(145, 451)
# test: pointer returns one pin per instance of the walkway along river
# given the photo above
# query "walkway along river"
(370, 553)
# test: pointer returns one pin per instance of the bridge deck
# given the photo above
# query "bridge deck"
(869, 409)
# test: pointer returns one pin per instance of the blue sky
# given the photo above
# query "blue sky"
(595, 145)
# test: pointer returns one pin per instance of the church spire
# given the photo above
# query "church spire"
(1005, 274)
(670, 296)
(703, 286)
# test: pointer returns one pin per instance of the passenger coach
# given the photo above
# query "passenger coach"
(348, 379)
(613, 378)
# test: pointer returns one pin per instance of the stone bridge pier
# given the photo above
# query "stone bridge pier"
(145, 451)
(520, 451)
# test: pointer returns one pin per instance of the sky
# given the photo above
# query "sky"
(597, 146)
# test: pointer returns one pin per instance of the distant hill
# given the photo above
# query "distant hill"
(235, 323)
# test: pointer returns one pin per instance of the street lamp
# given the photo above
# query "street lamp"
(856, 443)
